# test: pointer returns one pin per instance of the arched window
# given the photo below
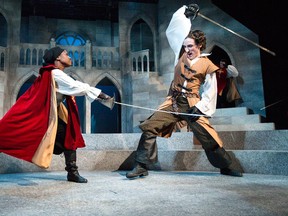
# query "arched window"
(34, 57)
(145, 64)
(70, 39)
(28, 57)
(104, 120)
(40, 57)
(141, 38)
(73, 39)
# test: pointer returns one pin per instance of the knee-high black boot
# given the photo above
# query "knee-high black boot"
(218, 157)
(146, 154)
(71, 167)
(221, 159)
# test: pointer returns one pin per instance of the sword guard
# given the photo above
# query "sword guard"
(109, 102)
(192, 11)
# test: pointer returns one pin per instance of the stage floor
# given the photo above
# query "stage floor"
(160, 193)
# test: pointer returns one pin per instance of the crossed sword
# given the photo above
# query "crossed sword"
(111, 102)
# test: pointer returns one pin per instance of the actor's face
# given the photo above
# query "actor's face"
(191, 49)
(65, 59)
(222, 64)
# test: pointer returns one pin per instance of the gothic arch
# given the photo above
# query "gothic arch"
(111, 78)
(104, 120)
(8, 25)
(147, 20)
(20, 83)
(145, 44)
(218, 46)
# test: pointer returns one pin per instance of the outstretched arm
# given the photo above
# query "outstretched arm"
(178, 30)
(68, 86)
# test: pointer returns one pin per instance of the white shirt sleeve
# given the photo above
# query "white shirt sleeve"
(232, 71)
(68, 86)
(207, 104)
(178, 30)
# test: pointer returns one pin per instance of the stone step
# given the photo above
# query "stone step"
(225, 123)
(234, 111)
(240, 127)
(239, 119)
(245, 127)
(258, 152)
(236, 140)
(243, 119)
(249, 161)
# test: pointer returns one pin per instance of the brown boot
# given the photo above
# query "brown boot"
(71, 167)
(138, 171)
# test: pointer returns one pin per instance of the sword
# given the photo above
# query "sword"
(274, 103)
(157, 110)
(192, 11)
(111, 101)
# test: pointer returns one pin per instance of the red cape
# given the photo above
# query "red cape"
(221, 80)
(32, 122)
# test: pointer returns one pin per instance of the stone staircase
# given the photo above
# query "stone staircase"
(239, 119)
(256, 145)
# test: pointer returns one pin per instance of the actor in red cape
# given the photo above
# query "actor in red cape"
(39, 125)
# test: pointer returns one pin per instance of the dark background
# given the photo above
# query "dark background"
(268, 20)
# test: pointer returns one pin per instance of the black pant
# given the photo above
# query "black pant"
(70, 155)
(60, 137)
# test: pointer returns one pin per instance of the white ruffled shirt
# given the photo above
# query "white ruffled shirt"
(66, 85)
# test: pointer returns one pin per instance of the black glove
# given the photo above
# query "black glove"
(194, 110)
(103, 96)
(192, 11)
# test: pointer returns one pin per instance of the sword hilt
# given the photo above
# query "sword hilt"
(192, 11)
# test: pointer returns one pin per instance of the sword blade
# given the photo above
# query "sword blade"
(244, 38)
(157, 110)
